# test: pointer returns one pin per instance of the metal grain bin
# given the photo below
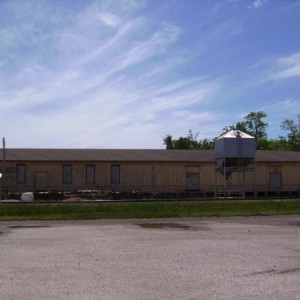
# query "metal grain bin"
(234, 149)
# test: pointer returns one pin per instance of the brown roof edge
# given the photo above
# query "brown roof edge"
(136, 155)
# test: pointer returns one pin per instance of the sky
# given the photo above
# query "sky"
(125, 73)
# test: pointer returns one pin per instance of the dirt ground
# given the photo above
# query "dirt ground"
(199, 258)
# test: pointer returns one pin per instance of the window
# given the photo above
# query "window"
(115, 174)
(21, 174)
(67, 174)
(90, 174)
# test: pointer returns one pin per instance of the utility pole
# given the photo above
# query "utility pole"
(4, 192)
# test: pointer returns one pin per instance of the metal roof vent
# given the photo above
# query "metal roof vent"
(238, 133)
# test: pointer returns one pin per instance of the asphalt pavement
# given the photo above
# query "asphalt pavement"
(195, 258)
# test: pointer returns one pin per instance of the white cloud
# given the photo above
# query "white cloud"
(259, 3)
(110, 19)
(284, 107)
(147, 49)
(115, 117)
(226, 30)
(106, 74)
(287, 67)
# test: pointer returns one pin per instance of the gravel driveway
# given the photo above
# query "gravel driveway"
(198, 258)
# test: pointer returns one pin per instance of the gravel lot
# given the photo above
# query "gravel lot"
(199, 258)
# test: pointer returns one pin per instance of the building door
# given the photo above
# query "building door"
(41, 181)
(192, 181)
(275, 180)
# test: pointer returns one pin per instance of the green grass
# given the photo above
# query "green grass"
(39, 211)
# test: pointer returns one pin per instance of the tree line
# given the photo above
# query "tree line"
(253, 124)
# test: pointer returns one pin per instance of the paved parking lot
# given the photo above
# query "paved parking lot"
(200, 258)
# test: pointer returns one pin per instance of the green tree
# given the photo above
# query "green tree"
(293, 135)
(242, 126)
(188, 142)
(168, 141)
(182, 143)
(279, 144)
(255, 125)
(206, 144)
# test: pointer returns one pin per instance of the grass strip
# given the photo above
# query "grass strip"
(81, 211)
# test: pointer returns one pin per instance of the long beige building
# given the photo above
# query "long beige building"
(152, 172)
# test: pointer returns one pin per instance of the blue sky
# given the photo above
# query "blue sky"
(125, 73)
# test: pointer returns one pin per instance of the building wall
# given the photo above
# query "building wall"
(153, 177)
(145, 177)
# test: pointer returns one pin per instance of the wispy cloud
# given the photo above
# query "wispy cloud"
(95, 91)
(287, 67)
(110, 19)
(126, 73)
(146, 49)
(259, 3)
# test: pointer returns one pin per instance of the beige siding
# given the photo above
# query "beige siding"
(207, 175)
(147, 176)
(136, 174)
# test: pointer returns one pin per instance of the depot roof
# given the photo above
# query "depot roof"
(135, 155)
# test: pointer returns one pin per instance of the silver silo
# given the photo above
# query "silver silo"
(234, 152)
